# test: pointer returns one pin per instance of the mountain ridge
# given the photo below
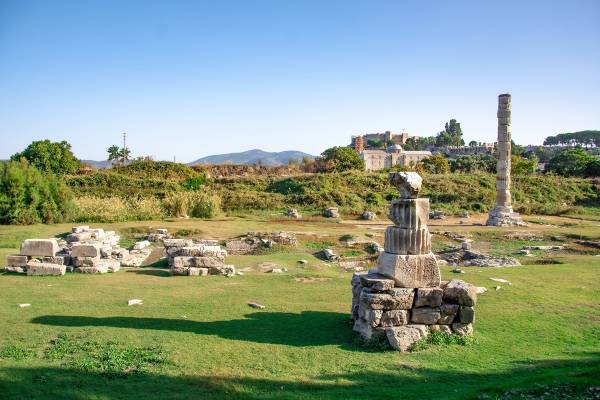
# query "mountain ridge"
(275, 158)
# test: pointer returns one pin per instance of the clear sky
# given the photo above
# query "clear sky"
(189, 79)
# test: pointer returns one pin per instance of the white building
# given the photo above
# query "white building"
(376, 160)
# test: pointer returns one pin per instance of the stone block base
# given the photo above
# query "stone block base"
(405, 315)
(504, 216)
(410, 271)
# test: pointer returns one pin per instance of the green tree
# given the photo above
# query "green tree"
(523, 166)
(436, 164)
(593, 168)
(50, 157)
(472, 143)
(28, 197)
(375, 143)
(451, 135)
(343, 159)
(570, 162)
(589, 138)
(118, 155)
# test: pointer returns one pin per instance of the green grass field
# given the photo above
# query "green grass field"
(196, 337)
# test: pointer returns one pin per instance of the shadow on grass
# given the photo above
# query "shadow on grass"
(309, 328)
(570, 379)
(152, 272)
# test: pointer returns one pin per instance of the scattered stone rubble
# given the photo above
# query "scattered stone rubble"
(331, 212)
(369, 216)
(252, 241)
(197, 257)
(293, 213)
(84, 250)
(470, 258)
(159, 235)
(403, 299)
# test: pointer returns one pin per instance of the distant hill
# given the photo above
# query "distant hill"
(97, 164)
(252, 157)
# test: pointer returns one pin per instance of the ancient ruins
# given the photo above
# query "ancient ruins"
(403, 299)
(197, 257)
(503, 214)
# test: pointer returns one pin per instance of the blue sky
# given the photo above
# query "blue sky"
(188, 79)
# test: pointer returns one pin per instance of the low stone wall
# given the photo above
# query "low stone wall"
(381, 310)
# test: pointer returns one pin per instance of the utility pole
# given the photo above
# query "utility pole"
(124, 148)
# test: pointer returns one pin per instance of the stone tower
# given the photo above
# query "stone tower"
(502, 214)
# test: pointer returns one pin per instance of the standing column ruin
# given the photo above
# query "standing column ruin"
(503, 214)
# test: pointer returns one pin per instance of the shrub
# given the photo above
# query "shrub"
(147, 168)
(29, 197)
(50, 157)
(193, 204)
(116, 209)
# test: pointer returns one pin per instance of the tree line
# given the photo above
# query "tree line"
(589, 138)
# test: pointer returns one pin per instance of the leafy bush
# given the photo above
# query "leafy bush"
(570, 162)
(50, 157)
(194, 183)
(29, 197)
(108, 183)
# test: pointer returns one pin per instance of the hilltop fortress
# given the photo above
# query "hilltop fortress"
(384, 150)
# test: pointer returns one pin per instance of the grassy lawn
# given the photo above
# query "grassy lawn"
(196, 338)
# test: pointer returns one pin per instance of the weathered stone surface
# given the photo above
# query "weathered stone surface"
(448, 313)
(403, 297)
(395, 318)
(199, 262)
(85, 261)
(402, 337)
(141, 245)
(97, 269)
(462, 329)
(425, 315)
(16, 261)
(330, 255)
(59, 259)
(45, 269)
(372, 317)
(411, 271)
(369, 216)
(178, 242)
(440, 328)
(222, 270)
(80, 228)
(408, 183)
(460, 292)
(356, 289)
(466, 314)
(366, 331)
(376, 282)
(180, 271)
(409, 213)
(39, 247)
(85, 250)
(407, 241)
(429, 297)
(331, 212)
(193, 271)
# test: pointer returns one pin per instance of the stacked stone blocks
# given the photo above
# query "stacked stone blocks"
(197, 258)
(403, 299)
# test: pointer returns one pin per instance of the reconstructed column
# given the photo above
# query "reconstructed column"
(502, 214)
(407, 257)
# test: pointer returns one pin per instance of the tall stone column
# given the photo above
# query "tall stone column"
(503, 214)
